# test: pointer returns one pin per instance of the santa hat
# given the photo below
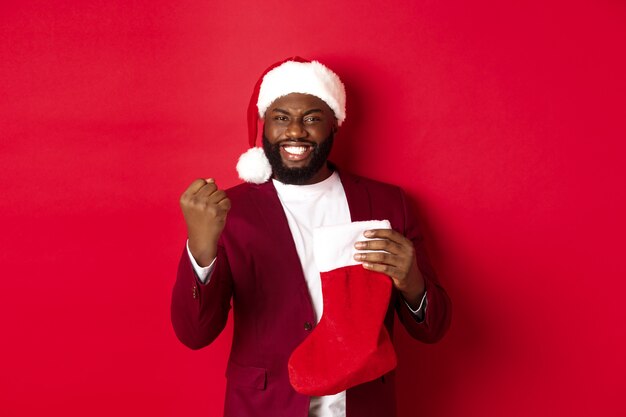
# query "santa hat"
(293, 75)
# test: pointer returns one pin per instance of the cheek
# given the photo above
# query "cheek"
(272, 132)
(320, 132)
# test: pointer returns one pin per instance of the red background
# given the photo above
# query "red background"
(505, 123)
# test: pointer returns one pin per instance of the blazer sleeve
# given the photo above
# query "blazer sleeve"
(438, 312)
(199, 311)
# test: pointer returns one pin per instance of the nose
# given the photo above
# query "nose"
(296, 130)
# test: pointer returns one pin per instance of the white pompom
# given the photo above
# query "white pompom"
(253, 166)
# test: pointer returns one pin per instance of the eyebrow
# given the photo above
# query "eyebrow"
(305, 113)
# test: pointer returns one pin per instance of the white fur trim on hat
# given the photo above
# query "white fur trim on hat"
(307, 78)
(253, 166)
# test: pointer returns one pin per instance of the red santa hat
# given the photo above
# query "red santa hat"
(293, 75)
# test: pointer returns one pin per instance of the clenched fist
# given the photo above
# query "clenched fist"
(205, 208)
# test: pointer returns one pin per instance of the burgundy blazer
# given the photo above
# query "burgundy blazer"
(258, 268)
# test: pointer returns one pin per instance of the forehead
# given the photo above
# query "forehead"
(300, 102)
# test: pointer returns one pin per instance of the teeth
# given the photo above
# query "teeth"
(295, 150)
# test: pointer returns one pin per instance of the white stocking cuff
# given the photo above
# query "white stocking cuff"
(333, 246)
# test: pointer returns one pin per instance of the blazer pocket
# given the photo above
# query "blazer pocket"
(246, 376)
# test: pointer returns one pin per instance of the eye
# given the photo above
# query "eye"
(311, 119)
(280, 118)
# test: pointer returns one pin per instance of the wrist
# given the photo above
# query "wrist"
(414, 291)
(413, 298)
(203, 254)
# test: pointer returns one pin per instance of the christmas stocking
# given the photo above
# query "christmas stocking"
(350, 345)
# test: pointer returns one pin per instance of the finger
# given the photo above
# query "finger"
(217, 196)
(388, 270)
(210, 182)
(225, 204)
(195, 186)
(378, 257)
(208, 189)
(379, 244)
(384, 234)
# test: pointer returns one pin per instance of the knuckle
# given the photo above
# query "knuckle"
(197, 183)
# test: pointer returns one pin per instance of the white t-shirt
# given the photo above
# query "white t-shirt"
(308, 207)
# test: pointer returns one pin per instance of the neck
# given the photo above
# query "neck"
(320, 176)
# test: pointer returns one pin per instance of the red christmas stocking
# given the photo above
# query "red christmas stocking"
(350, 345)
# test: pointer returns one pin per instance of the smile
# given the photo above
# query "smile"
(297, 152)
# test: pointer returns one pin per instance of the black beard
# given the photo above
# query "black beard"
(297, 176)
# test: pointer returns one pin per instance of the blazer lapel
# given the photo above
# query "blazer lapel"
(271, 211)
(279, 235)
(358, 198)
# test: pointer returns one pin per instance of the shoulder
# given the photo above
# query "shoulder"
(245, 196)
(240, 191)
(374, 187)
(384, 201)
(245, 189)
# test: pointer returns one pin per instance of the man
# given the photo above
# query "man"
(252, 244)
